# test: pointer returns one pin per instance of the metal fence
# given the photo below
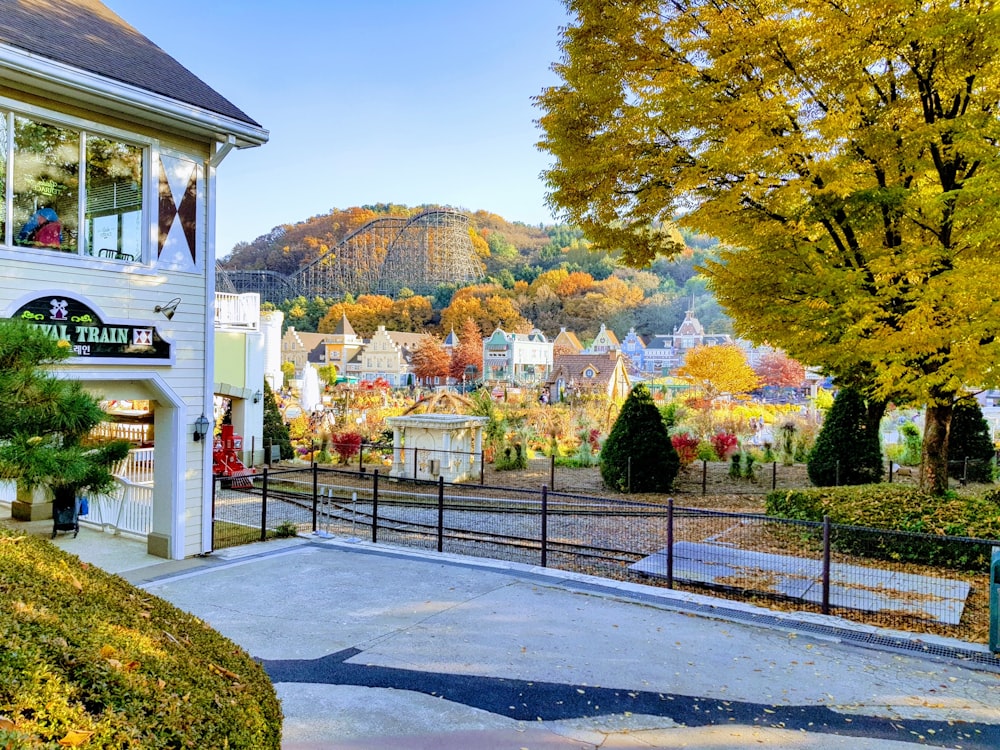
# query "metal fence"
(901, 580)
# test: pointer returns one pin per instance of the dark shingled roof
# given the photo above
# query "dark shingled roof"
(85, 34)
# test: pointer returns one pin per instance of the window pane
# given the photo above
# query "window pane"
(114, 199)
(46, 184)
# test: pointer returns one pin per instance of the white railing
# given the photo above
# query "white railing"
(126, 509)
(237, 310)
(136, 467)
(133, 432)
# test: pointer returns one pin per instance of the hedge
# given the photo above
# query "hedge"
(916, 516)
(89, 660)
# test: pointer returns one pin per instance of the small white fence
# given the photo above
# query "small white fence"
(127, 509)
(136, 467)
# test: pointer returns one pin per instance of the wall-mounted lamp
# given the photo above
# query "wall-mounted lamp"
(257, 396)
(201, 425)
(168, 309)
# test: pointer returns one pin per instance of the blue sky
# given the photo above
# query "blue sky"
(403, 101)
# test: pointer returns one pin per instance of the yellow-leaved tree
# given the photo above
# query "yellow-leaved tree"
(718, 370)
(845, 153)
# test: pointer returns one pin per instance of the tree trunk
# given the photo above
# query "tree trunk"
(934, 454)
(874, 411)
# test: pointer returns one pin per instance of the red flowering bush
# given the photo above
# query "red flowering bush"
(346, 445)
(686, 446)
(724, 444)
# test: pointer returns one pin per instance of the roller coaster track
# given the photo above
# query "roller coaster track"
(381, 257)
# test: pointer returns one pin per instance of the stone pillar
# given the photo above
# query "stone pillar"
(31, 505)
(446, 446)
(397, 460)
(476, 463)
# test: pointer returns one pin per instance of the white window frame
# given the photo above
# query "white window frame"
(11, 108)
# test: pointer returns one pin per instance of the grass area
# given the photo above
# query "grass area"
(88, 660)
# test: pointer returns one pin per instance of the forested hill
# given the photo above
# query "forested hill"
(288, 247)
(582, 289)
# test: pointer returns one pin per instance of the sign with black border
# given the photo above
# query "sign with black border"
(66, 319)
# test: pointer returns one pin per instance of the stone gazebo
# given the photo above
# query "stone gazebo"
(428, 446)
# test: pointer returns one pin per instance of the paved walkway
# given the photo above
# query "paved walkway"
(377, 647)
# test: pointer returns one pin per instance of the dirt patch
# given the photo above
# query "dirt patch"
(698, 485)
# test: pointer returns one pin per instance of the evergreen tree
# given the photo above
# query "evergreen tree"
(45, 421)
(970, 439)
(847, 451)
(640, 435)
(275, 432)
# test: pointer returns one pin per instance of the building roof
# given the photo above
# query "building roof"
(306, 339)
(568, 341)
(576, 366)
(86, 35)
(691, 326)
(605, 337)
(406, 340)
(344, 328)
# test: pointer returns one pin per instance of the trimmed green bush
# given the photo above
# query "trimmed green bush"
(912, 444)
(969, 438)
(846, 451)
(898, 508)
(84, 651)
(511, 457)
(639, 435)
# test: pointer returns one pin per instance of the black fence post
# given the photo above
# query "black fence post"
(826, 565)
(545, 526)
(890, 471)
(315, 471)
(670, 543)
(415, 462)
(965, 471)
(836, 479)
(361, 459)
(263, 508)
(482, 468)
(774, 475)
(375, 506)
(704, 476)
(630, 475)
(552, 471)
(440, 514)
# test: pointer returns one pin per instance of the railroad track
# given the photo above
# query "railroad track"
(346, 512)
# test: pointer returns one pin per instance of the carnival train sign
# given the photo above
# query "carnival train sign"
(68, 320)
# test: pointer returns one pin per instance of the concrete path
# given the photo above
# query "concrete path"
(378, 647)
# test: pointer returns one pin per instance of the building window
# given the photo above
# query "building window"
(55, 175)
(114, 199)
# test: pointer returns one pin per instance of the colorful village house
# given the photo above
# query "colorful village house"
(114, 141)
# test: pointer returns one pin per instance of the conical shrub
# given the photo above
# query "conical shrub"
(846, 451)
(640, 435)
(969, 438)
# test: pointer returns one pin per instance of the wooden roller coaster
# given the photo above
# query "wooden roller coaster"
(382, 257)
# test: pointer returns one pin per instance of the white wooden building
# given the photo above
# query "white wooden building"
(118, 144)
